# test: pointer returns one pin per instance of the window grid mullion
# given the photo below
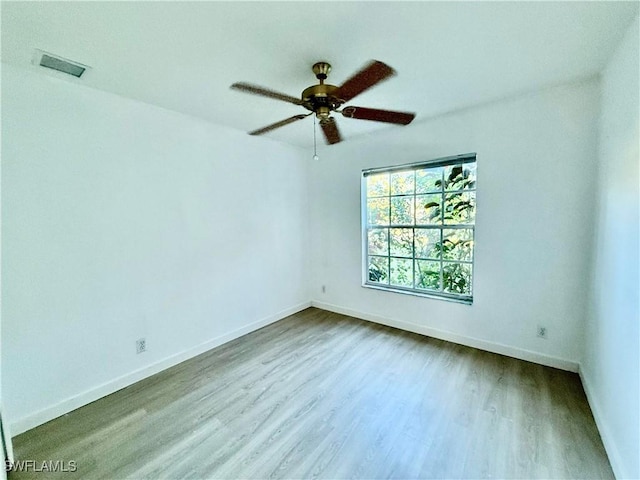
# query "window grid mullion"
(413, 231)
(455, 226)
(389, 238)
(442, 230)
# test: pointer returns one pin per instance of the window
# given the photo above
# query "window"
(418, 227)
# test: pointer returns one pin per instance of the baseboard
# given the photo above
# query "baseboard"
(65, 406)
(605, 433)
(492, 347)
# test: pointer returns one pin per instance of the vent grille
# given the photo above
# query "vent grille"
(48, 60)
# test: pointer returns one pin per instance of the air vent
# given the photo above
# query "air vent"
(54, 62)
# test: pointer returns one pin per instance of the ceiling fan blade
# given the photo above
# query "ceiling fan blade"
(330, 130)
(265, 92)
(279, 124)
(370, 75)
(388, 116)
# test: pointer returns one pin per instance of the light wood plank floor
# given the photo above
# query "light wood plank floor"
(321, 395)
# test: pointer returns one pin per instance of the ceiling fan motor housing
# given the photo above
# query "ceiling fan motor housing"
(320, 99)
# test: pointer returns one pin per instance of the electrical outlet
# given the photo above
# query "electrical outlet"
(141, 345)
(542, 331)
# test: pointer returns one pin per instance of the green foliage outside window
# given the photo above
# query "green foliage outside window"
(420, 228)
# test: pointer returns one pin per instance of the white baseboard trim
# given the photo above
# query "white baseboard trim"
(65, 406)
(492, 347)
(605, 432)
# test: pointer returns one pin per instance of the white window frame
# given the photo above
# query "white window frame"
(439, 294)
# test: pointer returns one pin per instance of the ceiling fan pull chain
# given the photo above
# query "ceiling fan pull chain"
(315, 152)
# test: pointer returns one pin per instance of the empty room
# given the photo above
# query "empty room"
(320, 240)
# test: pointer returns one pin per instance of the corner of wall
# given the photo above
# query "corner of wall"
(610, 363)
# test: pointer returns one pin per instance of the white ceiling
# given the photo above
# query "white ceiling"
(449, 55)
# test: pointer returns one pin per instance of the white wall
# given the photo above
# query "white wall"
(536, 173)
(611, 364)
(122, 220)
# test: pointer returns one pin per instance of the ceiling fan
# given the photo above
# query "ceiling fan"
(323, 99)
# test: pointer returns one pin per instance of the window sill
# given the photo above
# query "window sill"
(465, 301)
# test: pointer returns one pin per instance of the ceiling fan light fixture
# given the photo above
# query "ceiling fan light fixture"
(323, 112)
